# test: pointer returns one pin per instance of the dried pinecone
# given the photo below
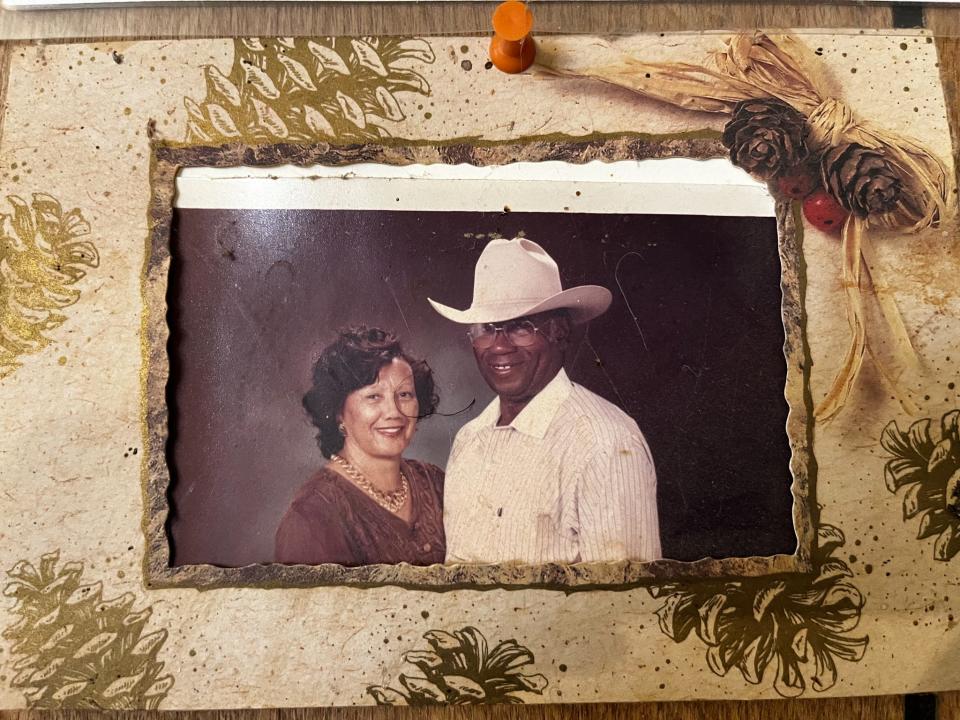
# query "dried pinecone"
(861, 179)
(766, 137)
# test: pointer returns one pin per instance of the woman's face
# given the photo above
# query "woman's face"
(380, 419)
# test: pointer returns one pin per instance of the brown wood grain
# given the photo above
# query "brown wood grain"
(946, 24)
(888, 707)
(948, 706)
(473, 17)
(285, 18)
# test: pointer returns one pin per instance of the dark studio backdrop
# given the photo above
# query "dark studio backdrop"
(692, 348)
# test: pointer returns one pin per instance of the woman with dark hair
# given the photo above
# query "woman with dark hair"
(368, 504)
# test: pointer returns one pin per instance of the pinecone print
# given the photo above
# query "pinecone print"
(308, 89)
(928, 468)
(459, 669)
(766, 137)
(77, 650)
(797, 625)
(43, 254)
(861, 179)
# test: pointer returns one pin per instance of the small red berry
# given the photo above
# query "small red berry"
(823, 212)
(797, 185)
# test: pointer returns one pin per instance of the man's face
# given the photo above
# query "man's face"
(518, 372)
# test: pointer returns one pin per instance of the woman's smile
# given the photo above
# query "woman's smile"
(379, 419)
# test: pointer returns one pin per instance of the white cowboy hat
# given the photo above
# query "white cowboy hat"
(517, 277)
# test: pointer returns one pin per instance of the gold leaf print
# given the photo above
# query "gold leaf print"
(376, 122)
(368, 58)
(149, 643)
(388, 102)
(73, 221)
(22, 224)
(50, 618)
(43, 254)
(47, 672)
(220, 85)
(95, 644)
(98, 658)
(160, 687)
(122, 603)
(924, 463)
(297, 72)
(417, 49)
(269, 119)
(253, 44)
(261, 81)
(317, 122)
(85, 592)
(303, 89)
(138, 617)
(411, 79)
(123, 685)
(194, 110)
(23, 677)
(461, 668)
(328, 58)
(351, 110)
(221, 121)
(70, 690)
(762, 626)
(196, 132)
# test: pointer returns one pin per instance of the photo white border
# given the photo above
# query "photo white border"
(662, 186)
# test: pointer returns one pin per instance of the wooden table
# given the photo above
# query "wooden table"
(224, 20)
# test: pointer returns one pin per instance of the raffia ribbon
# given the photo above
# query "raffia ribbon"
(757, 65)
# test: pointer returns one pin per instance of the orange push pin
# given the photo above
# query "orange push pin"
(512, 48)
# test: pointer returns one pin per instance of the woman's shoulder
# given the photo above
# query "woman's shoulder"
(422, 467)
(322, 487)
(315, 527)
(425, 471)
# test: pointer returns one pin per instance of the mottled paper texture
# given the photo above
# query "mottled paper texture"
(84, 627)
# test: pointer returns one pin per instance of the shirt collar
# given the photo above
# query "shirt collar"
(536, 417)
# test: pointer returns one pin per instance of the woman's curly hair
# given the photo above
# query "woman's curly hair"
(351, 362)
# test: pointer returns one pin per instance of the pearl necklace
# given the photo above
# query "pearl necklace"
(392, 501)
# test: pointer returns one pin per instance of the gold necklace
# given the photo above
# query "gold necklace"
(392, 501)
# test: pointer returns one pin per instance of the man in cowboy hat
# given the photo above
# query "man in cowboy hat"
(549, 471)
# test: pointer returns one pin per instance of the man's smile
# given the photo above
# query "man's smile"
(502, 367)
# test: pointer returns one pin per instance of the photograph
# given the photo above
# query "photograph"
(381, 381)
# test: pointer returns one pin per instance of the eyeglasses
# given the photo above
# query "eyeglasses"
(520, 333)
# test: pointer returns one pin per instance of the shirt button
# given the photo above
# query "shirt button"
(427, 547)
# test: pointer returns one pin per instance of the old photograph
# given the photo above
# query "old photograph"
(369, 385)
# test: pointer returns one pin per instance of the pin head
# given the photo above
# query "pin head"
(512, 20)
(512, 49)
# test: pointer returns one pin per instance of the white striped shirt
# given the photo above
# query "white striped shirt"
(570, 480)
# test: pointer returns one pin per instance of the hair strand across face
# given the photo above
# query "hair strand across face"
(352, 361)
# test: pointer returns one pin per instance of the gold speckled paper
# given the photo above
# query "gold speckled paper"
(88, 618)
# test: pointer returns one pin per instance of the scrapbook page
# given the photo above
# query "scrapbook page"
(344, 371)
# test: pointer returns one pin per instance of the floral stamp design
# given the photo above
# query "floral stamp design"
(798, 624)
(308, 89)
(460, 669)
(77, 650)
(43, 254)
(928, 469)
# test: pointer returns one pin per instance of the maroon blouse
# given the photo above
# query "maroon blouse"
(331, 520)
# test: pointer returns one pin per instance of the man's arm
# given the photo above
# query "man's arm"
(617, 504)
